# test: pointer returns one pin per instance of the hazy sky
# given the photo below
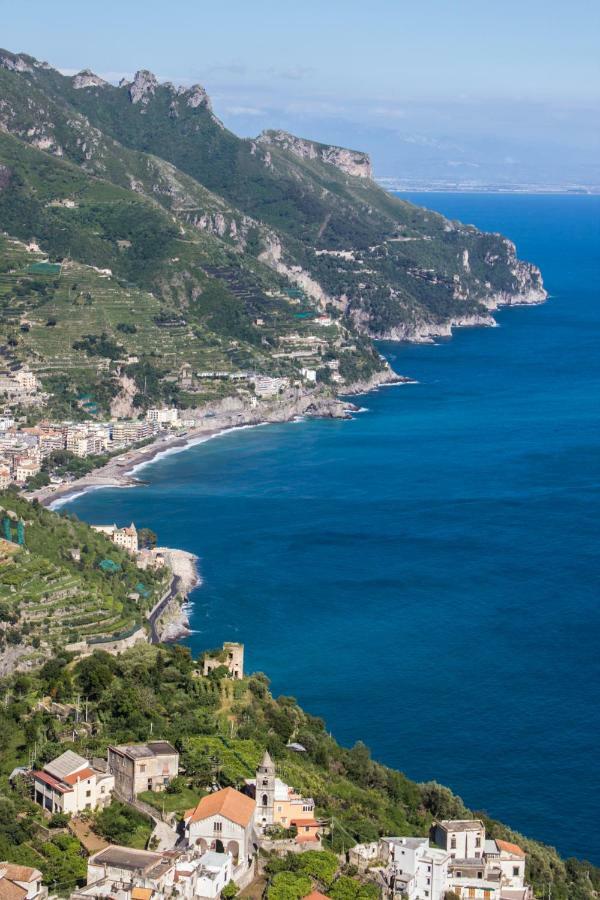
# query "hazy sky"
(456, 77)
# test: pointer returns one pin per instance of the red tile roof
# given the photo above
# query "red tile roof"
(506, 847)
(228, 803)
(52, 782)
(79, 776)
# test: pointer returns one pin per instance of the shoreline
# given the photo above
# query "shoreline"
(288, 409)
(121, 471)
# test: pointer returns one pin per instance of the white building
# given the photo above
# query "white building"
(269, 387)
(462, 838)
(512, 866)
(126, 537)
(414, 868)
(163, 416)
(69, 784)
(309, 374)
(27, 380)
(223, 822)
(213, 871)
(25, 467)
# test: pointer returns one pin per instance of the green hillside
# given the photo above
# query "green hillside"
(306, 210)
(221, 729)
(57, 589)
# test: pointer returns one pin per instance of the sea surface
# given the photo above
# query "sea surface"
(425, 577)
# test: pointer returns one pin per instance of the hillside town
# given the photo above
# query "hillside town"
(226, 837)
(46, 447)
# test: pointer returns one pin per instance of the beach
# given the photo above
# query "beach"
(217, 419)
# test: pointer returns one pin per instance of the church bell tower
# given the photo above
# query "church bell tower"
(265, 791)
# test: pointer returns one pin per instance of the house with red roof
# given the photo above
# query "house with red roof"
(70, 784)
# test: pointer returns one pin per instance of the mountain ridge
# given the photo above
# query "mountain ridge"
(271, 216)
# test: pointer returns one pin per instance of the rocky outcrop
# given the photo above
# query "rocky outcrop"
(86, 78)
(173, 623)
(351, 162)
(143, 86)
(197, 96)
(14, 63)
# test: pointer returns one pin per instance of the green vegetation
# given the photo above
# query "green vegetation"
(165, 238)
(219, 726)
(53, 591)
(120, 824)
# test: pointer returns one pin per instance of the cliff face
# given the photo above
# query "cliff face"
(351, 162)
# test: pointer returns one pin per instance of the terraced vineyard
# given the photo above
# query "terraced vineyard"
(54, 592)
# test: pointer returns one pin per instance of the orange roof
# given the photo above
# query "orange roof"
(228, 803)
(79, 776)
(140, 893)
(307, 838)
(316, 895)
(305, 823)
(19, 873)
(506, 847)
(11, 891)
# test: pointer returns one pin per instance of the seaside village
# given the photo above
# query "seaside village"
(221, 843)
(24, 449)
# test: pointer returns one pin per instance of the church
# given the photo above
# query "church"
(279, 804)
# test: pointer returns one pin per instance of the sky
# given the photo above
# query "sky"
(431, 88)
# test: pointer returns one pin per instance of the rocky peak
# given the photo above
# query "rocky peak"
(13, 62)
(197, 96)
(143, 86)
(86, 78)
(351, 162)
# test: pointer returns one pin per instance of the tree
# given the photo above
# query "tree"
(229, 891)
(118, 822)
(349, 889)
(95, 673)
(147, 538)
(289, 886)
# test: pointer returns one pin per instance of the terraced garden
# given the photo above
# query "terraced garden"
(54, 591)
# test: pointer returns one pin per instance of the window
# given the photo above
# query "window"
(516, 871)
(88, 793)
(478, 841)
(143, 767)
(218, 827)
(102, 789)
(480, 874)
(453, 843)
(265, 782)
(458, 874)
(265, 800)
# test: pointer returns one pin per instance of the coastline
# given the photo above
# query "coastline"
(121, 471)
(229, 415)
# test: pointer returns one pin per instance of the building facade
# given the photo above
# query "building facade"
(69, 784)
(223, 822)
(142, 767)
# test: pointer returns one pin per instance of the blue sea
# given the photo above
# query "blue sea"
(425, 577)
